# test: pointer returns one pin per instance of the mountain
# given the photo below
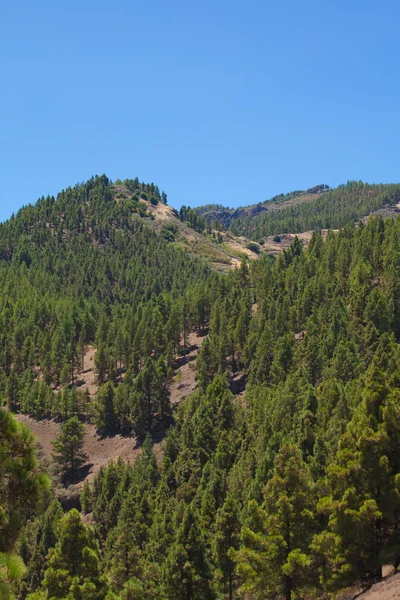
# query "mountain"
(252, 414)
(102, 210)
(316, 208)
(227, 216)
(89, 266)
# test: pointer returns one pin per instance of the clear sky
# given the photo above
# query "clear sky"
(215, 101)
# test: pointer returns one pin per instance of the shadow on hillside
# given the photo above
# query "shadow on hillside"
(77, 476)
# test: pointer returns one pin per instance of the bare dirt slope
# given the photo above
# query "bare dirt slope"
(187, 238)
(387, 589)
(273, 247)
(163, 212)
(184, 383)
(237, 245)
(99, 451)
(45, 430)
(87, 377)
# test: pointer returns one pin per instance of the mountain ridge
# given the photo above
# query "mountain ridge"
(223, 236)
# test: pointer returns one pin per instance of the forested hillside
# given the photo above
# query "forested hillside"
(333, 209)
(316, 208)
(288, 490)
(86, 268)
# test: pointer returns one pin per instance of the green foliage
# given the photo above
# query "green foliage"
(81, 269)
(253, 247)
(35, 542)
(192, 218)
(21, 482)
(86, 498)
(226, 540)
(186, 572)
(73, 565)
(21, 488)
(106, 419)
(68, 446)
(289, 491)
(333, 209)
(274, 560)
(365, 493)
(12, 569)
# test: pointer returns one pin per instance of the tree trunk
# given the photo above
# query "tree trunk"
(288, 587)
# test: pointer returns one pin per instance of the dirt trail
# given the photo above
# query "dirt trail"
(184, 382)
(87, 378)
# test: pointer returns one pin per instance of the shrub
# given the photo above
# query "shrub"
(277, 239)
(167, 235)
(253, 247)
(172, 227)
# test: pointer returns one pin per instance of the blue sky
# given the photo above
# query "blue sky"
(229, 102)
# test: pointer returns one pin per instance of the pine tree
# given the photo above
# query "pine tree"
(74, 563)
(34, 544)
(363, 508)
(101, 362)
(186, 572)
(104, 411)
(275, 558)
(86, 498)
(206, 364)
(226, 537)
(68, 446)
(21, 487)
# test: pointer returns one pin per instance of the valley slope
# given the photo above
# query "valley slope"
(288, 490)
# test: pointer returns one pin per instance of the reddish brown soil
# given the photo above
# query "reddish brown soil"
(99, 451)
(184, 382)
(45, 430)
(387, 589)
(88, 376)
(85, 378)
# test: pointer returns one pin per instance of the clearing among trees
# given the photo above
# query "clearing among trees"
(99, 450)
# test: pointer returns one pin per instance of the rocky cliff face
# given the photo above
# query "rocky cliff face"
(226, 217)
